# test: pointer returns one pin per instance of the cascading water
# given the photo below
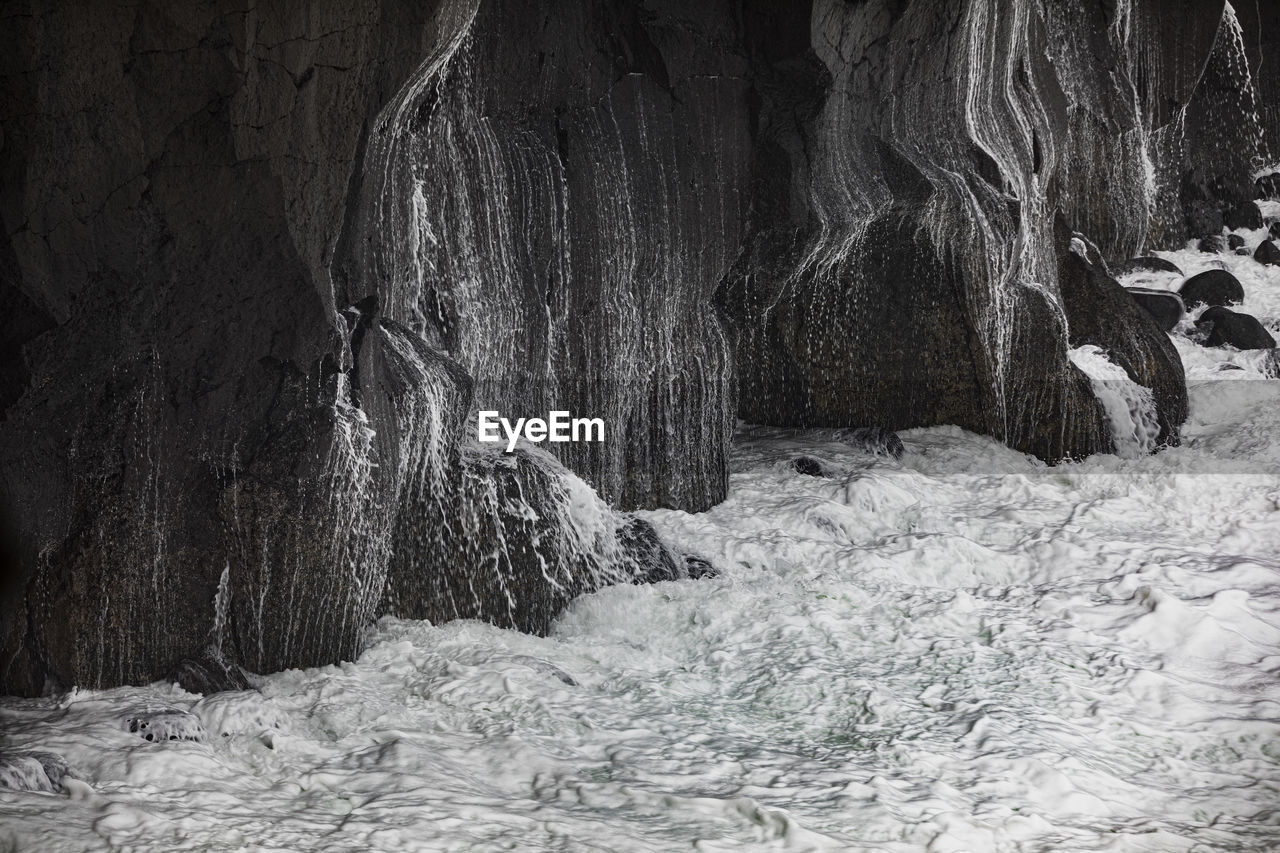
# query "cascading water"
(1130, 407)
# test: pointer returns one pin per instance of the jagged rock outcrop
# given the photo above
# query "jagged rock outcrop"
(877, 286)
(175, 181)
(1101, 313)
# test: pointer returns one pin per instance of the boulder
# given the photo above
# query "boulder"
(209, 672)
(1146, 263)
(1223, 327)
(1165, 307)
(697, 567)
(808, 466)
(1212, 287)
(1268, 185)
(1100, 312)
(1212, 244)
(511, 539)
(1247, 215)
(1274, 231)
(1267, 253)
(1234, 241)
(874, 440)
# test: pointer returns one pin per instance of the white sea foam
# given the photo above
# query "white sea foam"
(1131, 408)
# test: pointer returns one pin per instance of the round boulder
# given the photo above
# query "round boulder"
(1164, 306)
(1234, 241)
(1212, 287)
(1147, 263)
(1224, 327)
(1247, 215)
(1267, 253)
(1211, 245)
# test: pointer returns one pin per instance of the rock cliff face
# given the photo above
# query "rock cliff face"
(259, 265)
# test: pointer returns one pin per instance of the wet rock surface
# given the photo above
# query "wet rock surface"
(1223, 327)
(1212, 287)
(1164, 307)
(259, 268)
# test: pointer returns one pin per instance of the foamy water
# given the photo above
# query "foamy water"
(965, 650)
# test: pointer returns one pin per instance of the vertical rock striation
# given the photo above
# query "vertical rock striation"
(261, 265)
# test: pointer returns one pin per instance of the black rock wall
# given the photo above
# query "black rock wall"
(554, 201)
(897, 239)
(261, 266)
(174, 182)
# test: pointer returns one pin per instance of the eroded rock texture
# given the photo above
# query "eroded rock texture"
(262, 264)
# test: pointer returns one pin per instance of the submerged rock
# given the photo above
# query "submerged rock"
(1274, 231)
(209, 673)
(33, 771)
(696, 567)
(1164, 306)
(808, 466)
(1235, 241)
(647, 555)
(1212, 287)
(1100, 312)
(1211, 245)
(1267, 253)
(1223, 327)
(875, 440)
(166, 724)
(1147, 263)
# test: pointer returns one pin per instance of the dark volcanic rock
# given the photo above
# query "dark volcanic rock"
(808, 466)
(874, 440)
(1165, 307)
(649, 558)
(696, 567)
(1267, 253)
(1211, 245)
(1222, 137)
(209, 673)
(1274, 231)
(1246, 215)
(511, 541)
(1147, 263)
(1234, 241)
(1223, 327)
(1268, 186)
(1212, 287)
(1100, 312)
